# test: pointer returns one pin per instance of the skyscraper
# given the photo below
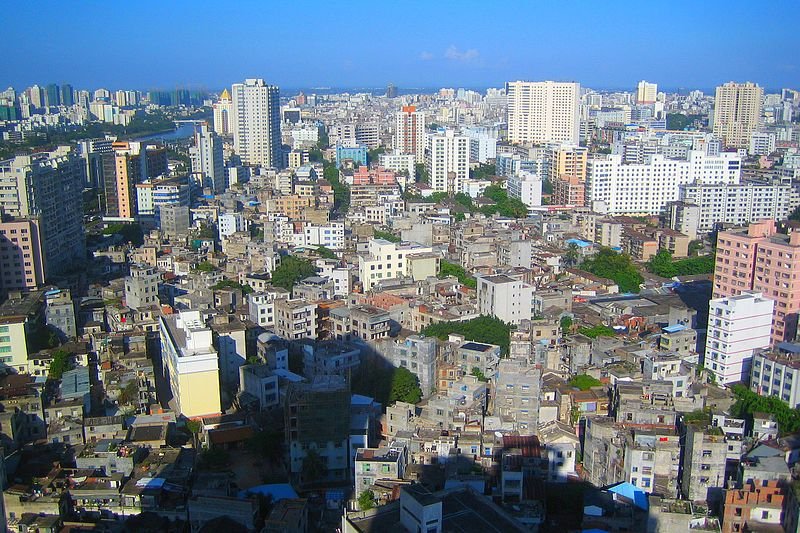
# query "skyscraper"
(67, 95)
(36, 96)
(208, 164)
(447, 161)
(409, 135)
(737, 112)
(541, 112)
(223, 109)
(52, 95)
(646, 93)
(256, 123)
(47, 187)
(391, 91)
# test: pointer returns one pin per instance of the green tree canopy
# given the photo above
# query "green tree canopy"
(205, 266)
(385, 235)
(451, 269)
(483, 171)
(62, 361)
(291, 270)
(485, 329)
(405, 387)
(597, 331)
(504, 205)
(749, 402)
(584, 382)
(326, 253)
(662, 265)
(615, 266)
(131, 233)
(366, 500)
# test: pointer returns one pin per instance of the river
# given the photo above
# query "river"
(184, 131)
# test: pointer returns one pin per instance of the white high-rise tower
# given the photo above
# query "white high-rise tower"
(543, 112)
(257, 123)
(206, 155)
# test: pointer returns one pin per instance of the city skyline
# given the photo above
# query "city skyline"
(428, 46)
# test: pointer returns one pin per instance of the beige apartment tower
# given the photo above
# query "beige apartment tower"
(543, 112)
(646, 93)
(737, 112)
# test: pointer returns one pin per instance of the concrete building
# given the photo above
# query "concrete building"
(256, 123)
(737, 327)
(506, 298)
(739, 204)
(21, 248)
(737, 112)
(388, 260)
(141, 287)
(757, 506)
(401, 164)
(363, 322)
(229, 336)
(174, 220)
(542, 112)
(704, 458)
(646, 93)
(208, 164)
(129, 163)
(295, 319)
(526, 187)
(761, 143)
(684, 217)
(447, 161)
(230, 223)
(59, 313)
(763, 260)
(355, 155)
(373, 464)
(776, 373)
(46, 187)
(417, 353)
(191, 364)
(317, 426)
(261, 306)
(223, 114)
(152, 195)
(409, 136)
(616, 188)
(518, 386)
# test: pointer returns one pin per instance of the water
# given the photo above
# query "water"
(184, 131)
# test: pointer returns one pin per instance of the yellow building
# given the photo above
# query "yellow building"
(191, 364)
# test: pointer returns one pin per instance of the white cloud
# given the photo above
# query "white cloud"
(426, 56)
(453, 53)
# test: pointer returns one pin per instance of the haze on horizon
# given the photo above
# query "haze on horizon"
(156, 44)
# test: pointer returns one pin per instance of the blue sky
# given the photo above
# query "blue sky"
(164, 44)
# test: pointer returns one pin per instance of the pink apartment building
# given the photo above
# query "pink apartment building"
(761, 259)
(376, 176)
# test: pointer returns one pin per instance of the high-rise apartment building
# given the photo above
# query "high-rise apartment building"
(208, 164)
(223, 111)
(737, 327)
(126, 165)
(447, 161)
(191, 364)
(256, 123)
(646, 93)
(737, 112)
(526, 187)
(409, 135)
(22, 265)
(52, 95)
(67, 95)
(646, 189)
(542, 112)
(761, 259)
(47, 187)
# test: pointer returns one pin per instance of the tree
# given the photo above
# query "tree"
(483, 171)
(597, 331)
(194, 427)
(479, 374)
(405, 387)
(662, 265)
(485, 329)
(795, 214)
(291, 270)
(131, 233)
(385, 235)
(618, 267)
(267, 443)
(129, 393)
(464, 200)
(584, 382)
(505, 206)
(326, 253)
(205, 266)
(421, 173)
(313, 468)
(566, 324)
(450, 269)
(572, 255)
(366, 500)
(62, 361)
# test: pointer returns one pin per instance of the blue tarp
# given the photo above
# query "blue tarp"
(278, 491)
(629, 491)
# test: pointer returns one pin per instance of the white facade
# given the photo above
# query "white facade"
(737, 327)
(400, 163)
(223, 115)
(482, 145)
(762, 143)
(208, 164)
(526, 187)
(230, 223)
(647, 188)
(776, 375)
(261, 306)
(646, 93)
(541, 112)
(330, 235)
(740, 204)
(386, 260)
(256, 123)
(506, 298)
(447, 161)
